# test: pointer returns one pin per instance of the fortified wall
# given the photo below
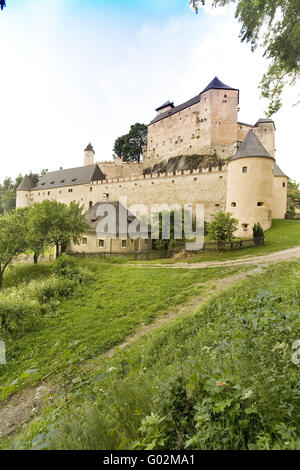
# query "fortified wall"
(207, 186)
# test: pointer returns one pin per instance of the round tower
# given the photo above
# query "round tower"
(250, 186)
(280, 184)
(89, 155)
(23, 192)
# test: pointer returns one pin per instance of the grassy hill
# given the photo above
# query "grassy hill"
(223, 378)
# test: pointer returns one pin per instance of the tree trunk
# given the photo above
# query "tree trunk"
(35, 258)
(57, 250)
(1, 278)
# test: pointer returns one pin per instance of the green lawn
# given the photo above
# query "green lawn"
(284, 234)
(101, 314)
(223, 379)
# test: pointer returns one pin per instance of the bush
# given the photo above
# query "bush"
(222, 228)
(66, 268)
(18, 316)
(54, 289)
(258, 234)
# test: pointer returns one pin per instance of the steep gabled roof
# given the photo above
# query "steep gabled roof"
(251, 147)
(101, 210)
(278, 171)
(216, 84)
(70, 177)
(26, 184)
(167, 103)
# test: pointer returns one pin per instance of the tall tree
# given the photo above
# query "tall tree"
(274, 25)
(129, 147)
(12, 238)
(56, 223)
(8, 191)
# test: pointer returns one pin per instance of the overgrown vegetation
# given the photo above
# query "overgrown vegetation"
(79, 309)
(223, 379)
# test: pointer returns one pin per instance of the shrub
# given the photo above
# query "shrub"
(65, 266)
(222, 228)
(56, 288)
(258, 234)
(18, 315)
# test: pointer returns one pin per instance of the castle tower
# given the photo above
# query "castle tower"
(280, 184)
(250, 186)
(23, 192)
(265, 131)
(218, 117)
(89, 155)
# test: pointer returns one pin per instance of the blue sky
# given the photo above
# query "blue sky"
(74, 71)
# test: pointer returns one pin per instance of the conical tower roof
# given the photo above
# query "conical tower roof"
(89, 147)
(251, 147)
(26, 184)
(278, 171)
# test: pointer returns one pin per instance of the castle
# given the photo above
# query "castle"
(197, 153)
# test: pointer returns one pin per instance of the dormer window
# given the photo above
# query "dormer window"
(74, 179)
(62, 181)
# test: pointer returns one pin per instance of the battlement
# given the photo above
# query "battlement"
(152, 176)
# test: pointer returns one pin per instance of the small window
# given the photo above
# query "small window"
(91, 204)
(70, 190)
(245, 227)
(84, 241)
(217, 205)
(124, 243)
(260, 204)
(146, 241)
(233, 204)
(48, 193)
(101, 243)
(245, 169)
(91, 189)
(283, 185)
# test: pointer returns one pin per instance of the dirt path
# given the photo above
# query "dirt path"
(23, 406)
(285, 255)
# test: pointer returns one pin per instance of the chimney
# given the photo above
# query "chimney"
(89, 155)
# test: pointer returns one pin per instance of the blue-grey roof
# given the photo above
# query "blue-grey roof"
(70, 177)
(251, 147)
(214, 84)
(278, 171)
(25, 185)
(167, 103)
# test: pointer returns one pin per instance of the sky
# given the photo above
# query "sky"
(80, 71)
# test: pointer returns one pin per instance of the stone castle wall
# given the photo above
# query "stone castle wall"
(206, 187)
